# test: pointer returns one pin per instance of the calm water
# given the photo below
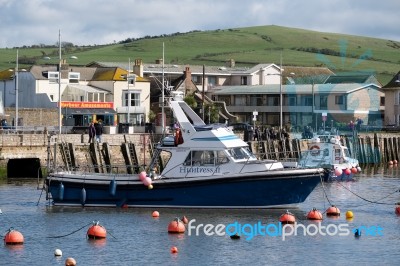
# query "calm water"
(135, 238)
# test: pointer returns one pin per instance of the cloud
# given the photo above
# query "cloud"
(28, 22)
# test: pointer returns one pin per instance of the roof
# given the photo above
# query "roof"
(352, 78)
(86, 88)
(394, 82)
(288, 89)
(86, 73)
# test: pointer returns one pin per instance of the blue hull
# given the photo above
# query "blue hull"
(243, 192)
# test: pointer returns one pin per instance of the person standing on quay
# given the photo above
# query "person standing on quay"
(92, 132)
(99, 130)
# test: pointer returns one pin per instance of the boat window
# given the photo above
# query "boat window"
(241, 153)
(201, 158)
(222, 157)
(326, 152)
(346, 153)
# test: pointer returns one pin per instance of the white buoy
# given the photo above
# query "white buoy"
(57, 252)
(1, 212)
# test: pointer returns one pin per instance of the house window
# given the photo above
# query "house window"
(73, 77)
(240, 100)
(256, 100)
(323, 101)
(243, 80)
(134, 99)
(339, 99)
(382, 101)
(273, 100)
(197, 80)
(53, 77)
(212, 81)
(307, 100)
(292, 101)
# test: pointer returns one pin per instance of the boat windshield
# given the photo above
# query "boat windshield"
(241, 153)
(346, 153)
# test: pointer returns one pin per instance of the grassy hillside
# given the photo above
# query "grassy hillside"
(247, 46)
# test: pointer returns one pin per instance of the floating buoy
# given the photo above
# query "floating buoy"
(61, 191)
(338, 171)
(398, 208)
(358, 169)
(83, 196)
(347, 171)
(390, 162)
(235, 236)
(57, 252)
(113, 187)
(124, 206)
(70, 262)
(354, 170)
(349, 215)
(174, 250)
(184, 219)
(314, 214)
(287, 218)
(155, 214)
(357, 232)
(176, 226)
(96, 231)
(333, 211)
(150, 186)
(13, 237)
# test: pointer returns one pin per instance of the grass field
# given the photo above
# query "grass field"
(247, 46)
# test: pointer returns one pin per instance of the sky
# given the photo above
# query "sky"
(93, 22)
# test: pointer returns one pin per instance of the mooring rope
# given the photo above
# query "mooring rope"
(71, 232)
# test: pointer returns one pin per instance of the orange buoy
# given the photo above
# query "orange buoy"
(314, 214)
(354, 170)
(398, 208)
(13, 237)
(287, 218)
(176, 226)
(347, 171)
(155, 214)
(96, 231)
(184, 220)
(70, 262)
(174, 250)
(333, 211)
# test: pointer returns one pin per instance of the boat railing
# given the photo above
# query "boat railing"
(101, 169)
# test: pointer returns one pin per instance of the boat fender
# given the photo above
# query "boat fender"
(113, 187)
(83, 196)
(142, 175)
(61, 191)
(147, 181)
(315, 150)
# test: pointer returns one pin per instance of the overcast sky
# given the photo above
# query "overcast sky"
(89, 22)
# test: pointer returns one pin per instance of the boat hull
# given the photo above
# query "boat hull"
(256, 190)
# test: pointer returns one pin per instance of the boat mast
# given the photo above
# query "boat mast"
(162, 93)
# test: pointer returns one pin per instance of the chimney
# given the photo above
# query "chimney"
(230, 63)
(138, 68)
(188, 77)
(159, 61)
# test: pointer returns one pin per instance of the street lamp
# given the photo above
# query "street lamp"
(59, 79)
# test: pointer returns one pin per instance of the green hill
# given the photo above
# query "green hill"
(247, 46)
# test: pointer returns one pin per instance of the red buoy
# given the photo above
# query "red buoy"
(174, 250)
(398, 208)
(13, 237)
(176, 226)
(155, 214)
(96, 231)
(347, 171)
(314, 214)
(287, 218)
(354, 170)
(333, 211)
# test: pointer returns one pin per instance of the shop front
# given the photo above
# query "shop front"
(76, 116)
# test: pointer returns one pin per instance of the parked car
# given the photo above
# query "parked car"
(242, 127)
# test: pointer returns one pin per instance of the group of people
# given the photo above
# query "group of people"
(95, 131)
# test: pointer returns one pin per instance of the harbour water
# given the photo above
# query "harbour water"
(136, 238)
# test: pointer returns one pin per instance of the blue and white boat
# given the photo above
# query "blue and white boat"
(327, 151)
(208, 167)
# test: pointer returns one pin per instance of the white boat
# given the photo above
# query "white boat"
(208, 166)
(328, 151)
